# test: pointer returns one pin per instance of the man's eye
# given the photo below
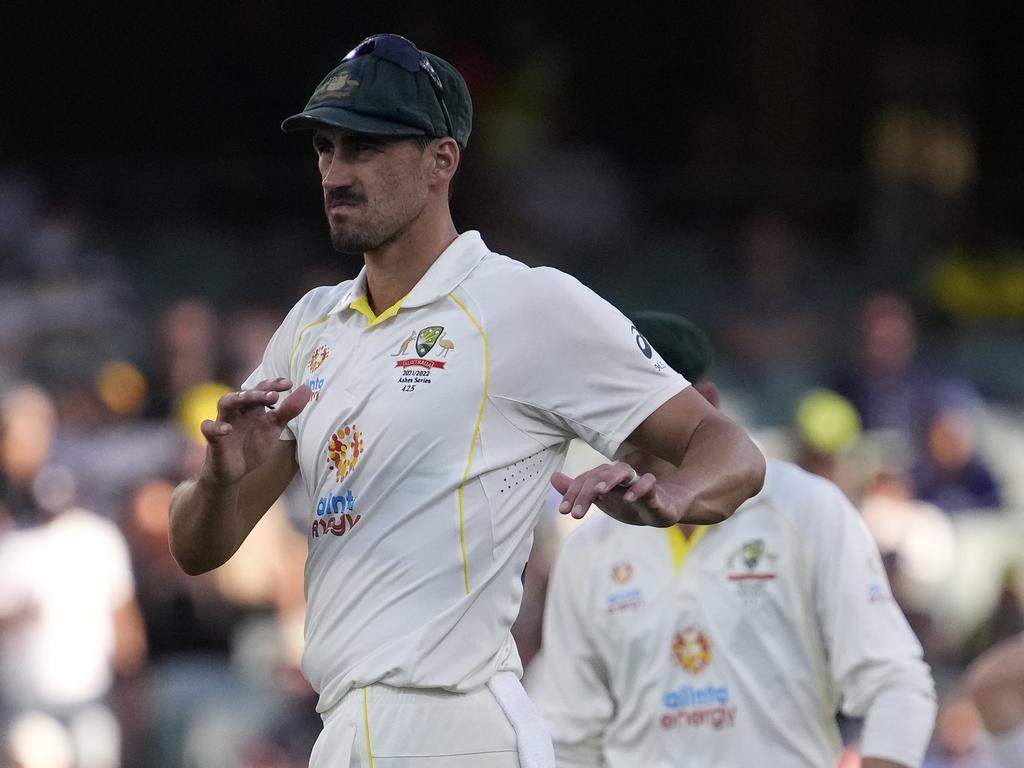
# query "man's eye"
(323, 148)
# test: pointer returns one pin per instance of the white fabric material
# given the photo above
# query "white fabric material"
(1008, 747)
(416, 728)
(460, 407)
(898, 722)
(776, 618)
(534, 743)
(68, 576)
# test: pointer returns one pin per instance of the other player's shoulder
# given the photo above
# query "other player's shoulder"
(600, 536)
(809, 499)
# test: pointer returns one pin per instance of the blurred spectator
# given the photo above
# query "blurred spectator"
(28, 420)
(182, 614)
(187, 353)
(773, 322)
(1004, 621)
(67, 608)
(886, 382)
(951, 473)
(248, 331)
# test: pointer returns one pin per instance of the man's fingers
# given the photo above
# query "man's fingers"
(292, 405)
(212, 430)
(235, 403)
(279, 384)
(644, 485)
(561, 482)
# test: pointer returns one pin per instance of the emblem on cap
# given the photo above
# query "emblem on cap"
(339, 85)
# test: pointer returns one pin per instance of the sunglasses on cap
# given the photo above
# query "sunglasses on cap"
(401, 51)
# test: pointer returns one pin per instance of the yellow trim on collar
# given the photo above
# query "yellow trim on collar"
(362, 305)
(681, 546)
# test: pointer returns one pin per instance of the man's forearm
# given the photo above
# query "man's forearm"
(721, 468)
(205, 526)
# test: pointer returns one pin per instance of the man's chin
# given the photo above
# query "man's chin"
(343, 242)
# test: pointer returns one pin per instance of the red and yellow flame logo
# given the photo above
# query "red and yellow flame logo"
(320, 354)
(692, 649)
(344, 449)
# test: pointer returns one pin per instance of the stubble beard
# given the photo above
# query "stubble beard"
(362, 239)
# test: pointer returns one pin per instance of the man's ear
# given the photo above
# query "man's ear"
(447, 156)
(710, 393)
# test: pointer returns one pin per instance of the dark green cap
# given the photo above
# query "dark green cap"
(386, 86)
(680, 343)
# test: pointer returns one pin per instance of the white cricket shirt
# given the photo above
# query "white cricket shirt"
(733, 648)
(427, 452)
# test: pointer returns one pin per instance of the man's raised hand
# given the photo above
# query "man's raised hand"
(248, 426)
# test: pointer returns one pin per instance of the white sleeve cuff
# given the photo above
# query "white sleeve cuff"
(898, 726)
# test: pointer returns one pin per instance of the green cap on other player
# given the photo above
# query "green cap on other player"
(386, 86)
(680, 343)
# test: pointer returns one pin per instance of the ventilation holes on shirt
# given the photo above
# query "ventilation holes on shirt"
(523, 470)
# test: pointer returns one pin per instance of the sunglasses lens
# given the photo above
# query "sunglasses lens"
(391, 48)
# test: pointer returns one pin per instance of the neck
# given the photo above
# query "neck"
(393, 269)
(687, 529)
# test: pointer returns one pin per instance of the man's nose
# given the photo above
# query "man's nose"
(337, 175)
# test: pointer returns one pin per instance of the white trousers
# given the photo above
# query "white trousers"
(384, 727)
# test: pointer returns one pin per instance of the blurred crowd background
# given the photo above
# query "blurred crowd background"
(832, 190)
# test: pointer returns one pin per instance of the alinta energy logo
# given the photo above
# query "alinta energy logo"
(344, 449)
(692, 649)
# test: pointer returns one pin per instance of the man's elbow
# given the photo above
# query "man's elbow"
(188, 561)
(757, 466)
(192, 561)
(750, 474)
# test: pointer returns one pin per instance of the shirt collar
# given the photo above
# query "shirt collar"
(444, 275)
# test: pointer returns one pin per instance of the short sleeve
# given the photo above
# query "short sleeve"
(569, 364)
(874, 658)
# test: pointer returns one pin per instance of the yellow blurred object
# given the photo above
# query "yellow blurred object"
(121, 387)
(827, 422)
(196, 404)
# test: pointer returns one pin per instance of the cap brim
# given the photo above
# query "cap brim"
(336, 117)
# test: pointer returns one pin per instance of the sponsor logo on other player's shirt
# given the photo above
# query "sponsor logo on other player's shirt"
(692, 648)
(691, 706)
(750, 568)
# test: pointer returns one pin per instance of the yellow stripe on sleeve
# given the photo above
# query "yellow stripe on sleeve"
(472, 440)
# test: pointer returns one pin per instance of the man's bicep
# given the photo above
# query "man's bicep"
(667, 432)
(264, 485)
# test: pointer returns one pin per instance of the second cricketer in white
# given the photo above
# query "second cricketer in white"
(735, 646)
